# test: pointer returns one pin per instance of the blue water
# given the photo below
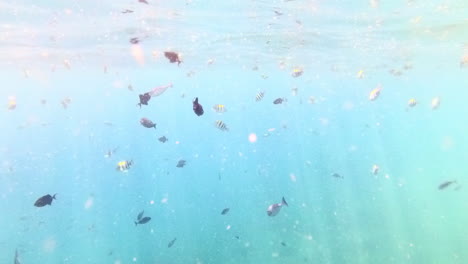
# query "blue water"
(231, 51)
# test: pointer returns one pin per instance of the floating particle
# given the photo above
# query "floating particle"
(11, 103)
(360, 74)
(375, 169)
(67, 64)
(412, 102)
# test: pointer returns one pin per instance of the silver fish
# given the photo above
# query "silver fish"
(275, 208)
(17, 257)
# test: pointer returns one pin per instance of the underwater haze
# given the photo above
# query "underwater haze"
(237, 131)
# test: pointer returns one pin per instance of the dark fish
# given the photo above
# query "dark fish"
(147, 123)
(140, 215)
(278, 13)
(143, 1)
(44, 200)
(446, 184)
(134, 40)
(225, 211)
(171, 243)
(181, 164)
(279, 101)
(197, 108)
(336, 175)
(283, 244)
(144, 220)
(17, 257)
(144, 98)
(236, 237)
(127, 11)
(275, 208)
(173, 57)
(163, 139)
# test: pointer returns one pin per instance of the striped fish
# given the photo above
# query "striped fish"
(221, 125)
(219, 108)
(259, 96)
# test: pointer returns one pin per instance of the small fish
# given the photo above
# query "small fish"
(17, 257)
(279, 101)
(197, 107)
(283, 244)
(375, 169)
(297, 72)
(124, 165)
(143, 220)
(360, 74)
(412, 102)
(181, 163)
(140, 215)
(147, 123)
(225, 211)
(435, 103)
(374, 94)
(278, 13)
(45, 200)
(65, 102)
(172, 57)
(11, 103)
(221, 125)
(144, 99)
(171, 243)
(163, 139)
(219, 108)
(446, 184)
(126, 11)
(275, 208)
(336, 175)
(143, 1)
(259, 96)
(134, 40)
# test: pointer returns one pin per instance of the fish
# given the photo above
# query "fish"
(126, 11)
(144, 99)
(163, 139)
(143, 1)
(360, 74)
(225, 211)
(412, 102)
(221, 125)
(17, 257)
(45, 200)
(435, 103)
(336, 175)
(275, 208)
(134, 40)
(283, 244)
(171, 243)
(374, 94)
(375, 169)
(143, 220)
(279, 101)
(219, 108)
(259, 96)
(172, 57)
(140, 215)
(181, 163)
(159, 90)
(197, 107)
(124, 165)
(147, 123)
(297, 72)
(278, 13)
(65, 102)
(11, 103)
(446, 184)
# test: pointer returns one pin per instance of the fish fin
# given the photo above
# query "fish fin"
(283, 201)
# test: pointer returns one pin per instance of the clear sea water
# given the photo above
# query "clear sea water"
(80, 51)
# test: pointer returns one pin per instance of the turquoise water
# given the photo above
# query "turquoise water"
(79, 51)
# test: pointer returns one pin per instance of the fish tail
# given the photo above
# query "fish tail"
(283, 201)
(53, 197)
